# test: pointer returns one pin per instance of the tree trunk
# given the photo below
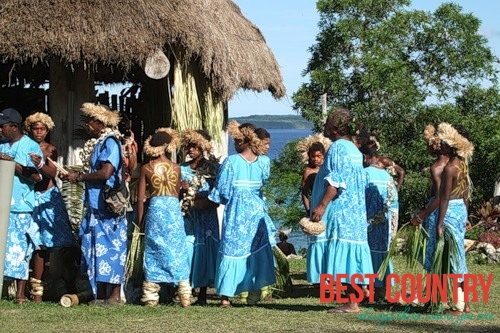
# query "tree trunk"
(68, 90)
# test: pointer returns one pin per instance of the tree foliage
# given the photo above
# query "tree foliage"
(282, 190)
(399, 69)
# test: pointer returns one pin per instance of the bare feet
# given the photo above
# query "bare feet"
(225, 304)
(456, 313)
(345, 309)
(467, 308)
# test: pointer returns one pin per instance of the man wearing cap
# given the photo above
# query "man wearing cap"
(22, 232)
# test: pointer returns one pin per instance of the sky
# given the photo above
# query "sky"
(290, 28)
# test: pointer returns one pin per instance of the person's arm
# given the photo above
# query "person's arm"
(319, 210)
(28, 173)
(436, 183)
(292, 249)
(387, 162)
(101, 175)
(141, 193)
(444, 196)
(48, 169)
(305, 191)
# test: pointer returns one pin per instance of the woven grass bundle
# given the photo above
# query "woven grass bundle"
(312, 228)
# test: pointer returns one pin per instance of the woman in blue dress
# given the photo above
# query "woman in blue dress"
(381, 197)
(200, 214)
(245, 261)
(165, 251)
(338, 198)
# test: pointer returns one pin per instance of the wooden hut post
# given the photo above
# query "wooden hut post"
(68, 90)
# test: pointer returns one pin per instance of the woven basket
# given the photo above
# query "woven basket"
(311, 228)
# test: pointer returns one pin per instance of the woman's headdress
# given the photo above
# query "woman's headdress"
(432, 138)
(193, 137)
(108, 117)
(462, 145)
(169, 147)
(304, 145)
(39, 117)
(248, 135)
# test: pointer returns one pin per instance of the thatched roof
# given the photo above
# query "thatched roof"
(231, 51)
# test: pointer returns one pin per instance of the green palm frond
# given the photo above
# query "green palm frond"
(446, 254)
(282, 272)
(134, 264)
(73, 198)
(416, 244)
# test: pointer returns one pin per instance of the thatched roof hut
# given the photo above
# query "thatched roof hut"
(111, 39)
(122, 33)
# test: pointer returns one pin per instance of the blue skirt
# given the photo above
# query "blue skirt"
(165, 251)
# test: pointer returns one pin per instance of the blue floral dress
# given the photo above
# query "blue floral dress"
(165, 250)
(203, 236)
(245, 261)
(381, 194)
(52, 218)
(454, 224)
(343, 247)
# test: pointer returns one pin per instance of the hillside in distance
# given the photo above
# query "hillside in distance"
(290, 121)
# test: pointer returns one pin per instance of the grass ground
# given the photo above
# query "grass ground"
(301, 312)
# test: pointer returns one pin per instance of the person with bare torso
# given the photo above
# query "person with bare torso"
(165, 251)
(316, 155)
(428, 216)
(50, 211)
(454, 197)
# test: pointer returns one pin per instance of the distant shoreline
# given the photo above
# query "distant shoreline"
(276, 121)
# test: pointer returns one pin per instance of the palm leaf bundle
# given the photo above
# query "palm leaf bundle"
(416, 245)
(446, 254)
(134, 265)
(282, 272)
(73, 199)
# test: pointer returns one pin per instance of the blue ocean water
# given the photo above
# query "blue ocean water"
(279, 138)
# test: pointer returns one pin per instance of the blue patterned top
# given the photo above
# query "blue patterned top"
(23, 191)
(110, 153)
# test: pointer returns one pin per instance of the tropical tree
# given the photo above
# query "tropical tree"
(399, 69)
(282, 190)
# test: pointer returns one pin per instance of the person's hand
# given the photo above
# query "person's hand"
(71, 176)
(439, 231)
(468, 225)
(416, 220)
(5, 157)
(37, 160)
(317, 213)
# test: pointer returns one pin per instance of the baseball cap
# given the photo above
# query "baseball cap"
(10, 115)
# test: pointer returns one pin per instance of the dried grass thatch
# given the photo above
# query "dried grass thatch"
(231, 51)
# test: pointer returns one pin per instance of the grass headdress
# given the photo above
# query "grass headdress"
(169, 146)
(39, 117)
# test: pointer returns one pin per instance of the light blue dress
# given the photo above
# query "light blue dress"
(343, 247)
(52, 218)
(165, 250)
(203, 227)
(103, 236)
(381, 193)
(245, 261)
(22, 234)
